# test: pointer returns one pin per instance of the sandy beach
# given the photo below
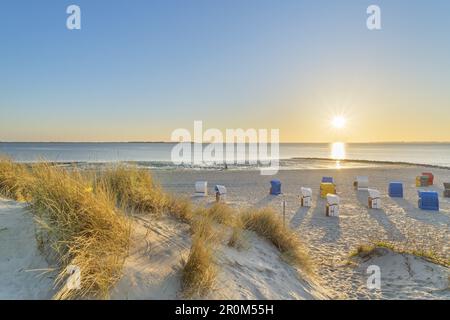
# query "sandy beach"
(159, 247)
(331, 239)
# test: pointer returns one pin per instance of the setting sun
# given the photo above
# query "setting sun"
(339, 122)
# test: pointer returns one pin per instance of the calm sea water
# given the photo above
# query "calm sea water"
(159, 154)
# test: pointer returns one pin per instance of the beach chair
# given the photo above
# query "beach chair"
(221, 192)
(422, 181)
(428, 200)
(201, 188)
(275, 187)
(361, 183)
(332, 208)
(306, 197)
(430, 177)
(446, 190)
(326, 188)
(374, 201)
(327, 179)
(396, 189)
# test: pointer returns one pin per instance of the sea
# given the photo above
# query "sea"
(290, 155)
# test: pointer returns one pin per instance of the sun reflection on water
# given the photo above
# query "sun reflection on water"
(338, 153)
(338, 150)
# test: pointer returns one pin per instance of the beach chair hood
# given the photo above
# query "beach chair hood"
(373, 193)
(332, 199)
(306, 192)
(220, 189)
(201, 186)
(363, 181)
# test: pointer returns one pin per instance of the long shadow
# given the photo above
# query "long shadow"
(331, 225)
(266, 200)
(200, 200)
(299, 216)
(380, 216)
(426, 216)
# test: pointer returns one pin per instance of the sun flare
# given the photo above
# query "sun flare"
(339, 122)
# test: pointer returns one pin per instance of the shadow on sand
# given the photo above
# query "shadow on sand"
(380, 216)
(330, 225)
(426, 216)
(299, 216)
(268, 199)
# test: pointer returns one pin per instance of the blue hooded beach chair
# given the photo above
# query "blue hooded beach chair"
(327, 180)
(275, 187)
(396, 189)
(428, 200)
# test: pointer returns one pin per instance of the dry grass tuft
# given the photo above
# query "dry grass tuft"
(236, 239)
(221, 213)
(180, 208)
(15, 180)
(202, 227)
(367, 250)
(134, 189)
(82, 227)
(266, 223)
(363, 251)
(199, 272)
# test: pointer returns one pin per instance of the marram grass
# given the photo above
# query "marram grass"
(83, 228)
(15, 180)
(200, 271)
(266, 223)
(135, 190)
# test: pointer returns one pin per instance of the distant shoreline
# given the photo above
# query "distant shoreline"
(376, 161)
(219, 165)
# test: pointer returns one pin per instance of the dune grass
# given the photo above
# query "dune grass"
(180, 208)
(199, 272)
(221, 213)
(135, 190)
(80, 218)
(15, 180)
(83, 228)
(367, 250)
(236, 239)
(267, 224)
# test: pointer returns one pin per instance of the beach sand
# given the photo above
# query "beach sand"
(330, 240)
(24, 272)
(159, 247)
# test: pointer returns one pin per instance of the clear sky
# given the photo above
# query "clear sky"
(137, 70)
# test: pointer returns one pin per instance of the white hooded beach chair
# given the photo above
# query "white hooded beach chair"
(221, 192)
(374, 201)
(306, 197)
(201, 188)
(361, 183)
(332, 208)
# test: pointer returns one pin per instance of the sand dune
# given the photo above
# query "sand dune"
(159, 247)
(23, 270)
(330, 239)
(405, 276)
